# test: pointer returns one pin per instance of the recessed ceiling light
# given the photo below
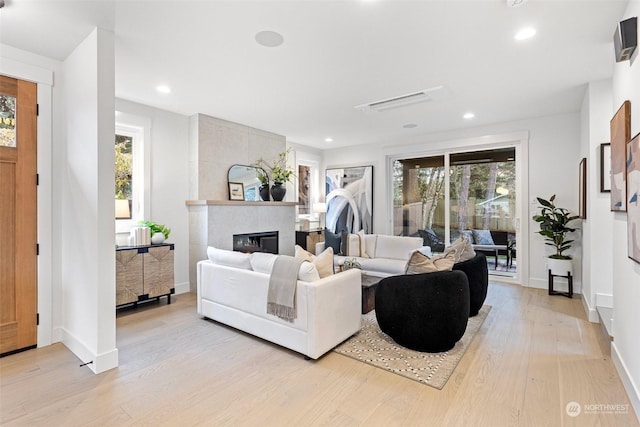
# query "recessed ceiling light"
(269, 38)
(468, 116)
(410, 126)
(525, 33)
(163, 89)
(328, 140)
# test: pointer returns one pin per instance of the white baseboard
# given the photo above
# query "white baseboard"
(538, 283)
(632, 389)
(182, 288)
(99, 362)
(604, 300)
(592, 313)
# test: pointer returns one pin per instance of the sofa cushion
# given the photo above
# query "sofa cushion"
(263, 263)
(482, 237)
(370, 245)
(229, 258)
(385, 266)
(398, 247)
(420, 263)
(323, 262)
(463, 249)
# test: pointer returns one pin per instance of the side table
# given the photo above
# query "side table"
(569, 278)
(369, 284)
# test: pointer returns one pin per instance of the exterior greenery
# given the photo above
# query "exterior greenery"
(554, 226)
(124, 167)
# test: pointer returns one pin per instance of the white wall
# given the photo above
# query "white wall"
(597, 239)
(169, 183)
(626, 272)
(553, 153)
(87, 225)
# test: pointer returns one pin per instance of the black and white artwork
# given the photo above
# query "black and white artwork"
(349, 199)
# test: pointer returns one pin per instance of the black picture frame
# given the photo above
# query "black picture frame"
(582, 189)
(605, 167)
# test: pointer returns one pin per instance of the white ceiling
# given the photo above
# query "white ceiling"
(336, 55)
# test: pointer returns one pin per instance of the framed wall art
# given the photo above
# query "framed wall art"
(236, 191)
(605, 168)
(582, 189)
(633, 202)
(349, 199)
(620, 127)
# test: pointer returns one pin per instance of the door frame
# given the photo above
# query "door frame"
(44, 81)
(518, 140)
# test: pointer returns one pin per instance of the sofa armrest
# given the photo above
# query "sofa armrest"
(334, 310)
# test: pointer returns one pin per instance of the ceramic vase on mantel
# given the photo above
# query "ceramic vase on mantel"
(560, 267)
(278, 190)
(264, 192)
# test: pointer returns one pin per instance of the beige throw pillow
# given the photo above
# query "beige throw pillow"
(420, 263)
(363, 244)
(463, 248)
(322, 262)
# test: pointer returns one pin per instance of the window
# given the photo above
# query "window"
(131, 176)
(7, 121)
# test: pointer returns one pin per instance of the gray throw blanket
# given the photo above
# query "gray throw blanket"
(281, 299)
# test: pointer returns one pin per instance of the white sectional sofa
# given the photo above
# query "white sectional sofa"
(232, 289)
(378, 254)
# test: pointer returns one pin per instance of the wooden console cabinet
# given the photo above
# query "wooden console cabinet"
(144, 272)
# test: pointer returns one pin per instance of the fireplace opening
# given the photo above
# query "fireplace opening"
(256, 242)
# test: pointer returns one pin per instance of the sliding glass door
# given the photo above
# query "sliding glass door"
(476, 198)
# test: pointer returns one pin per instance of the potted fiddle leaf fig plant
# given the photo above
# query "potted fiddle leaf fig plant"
(554, 227)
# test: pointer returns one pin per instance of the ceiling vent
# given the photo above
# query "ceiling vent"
(434, 94)
(515, 3)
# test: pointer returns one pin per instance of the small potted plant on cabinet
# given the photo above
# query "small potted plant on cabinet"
(554, 226)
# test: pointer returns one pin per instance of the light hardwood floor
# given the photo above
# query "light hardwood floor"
(533, 355)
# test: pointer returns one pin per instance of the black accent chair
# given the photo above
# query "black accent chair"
(431, 239)
(424, 312)
(478, 275)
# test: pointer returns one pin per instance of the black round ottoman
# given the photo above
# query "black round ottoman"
(478, 276)
(424, 312)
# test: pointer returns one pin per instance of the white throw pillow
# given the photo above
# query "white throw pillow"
(229, 258)
(262, 262)
(308, 272)
(323, 262)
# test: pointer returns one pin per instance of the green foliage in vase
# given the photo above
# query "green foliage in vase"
(350, 263)
(278, 170)
(156, 228)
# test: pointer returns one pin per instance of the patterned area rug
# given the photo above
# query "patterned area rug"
(374, 347)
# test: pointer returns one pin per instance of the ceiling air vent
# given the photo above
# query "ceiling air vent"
(434, 94)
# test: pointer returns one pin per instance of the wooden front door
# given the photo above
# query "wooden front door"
(18, 215)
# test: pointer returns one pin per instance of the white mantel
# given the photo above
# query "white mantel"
(214, 222)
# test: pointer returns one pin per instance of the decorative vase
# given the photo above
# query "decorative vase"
(560, 267)
(157, 238)
(278, 191)
(264, 192)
